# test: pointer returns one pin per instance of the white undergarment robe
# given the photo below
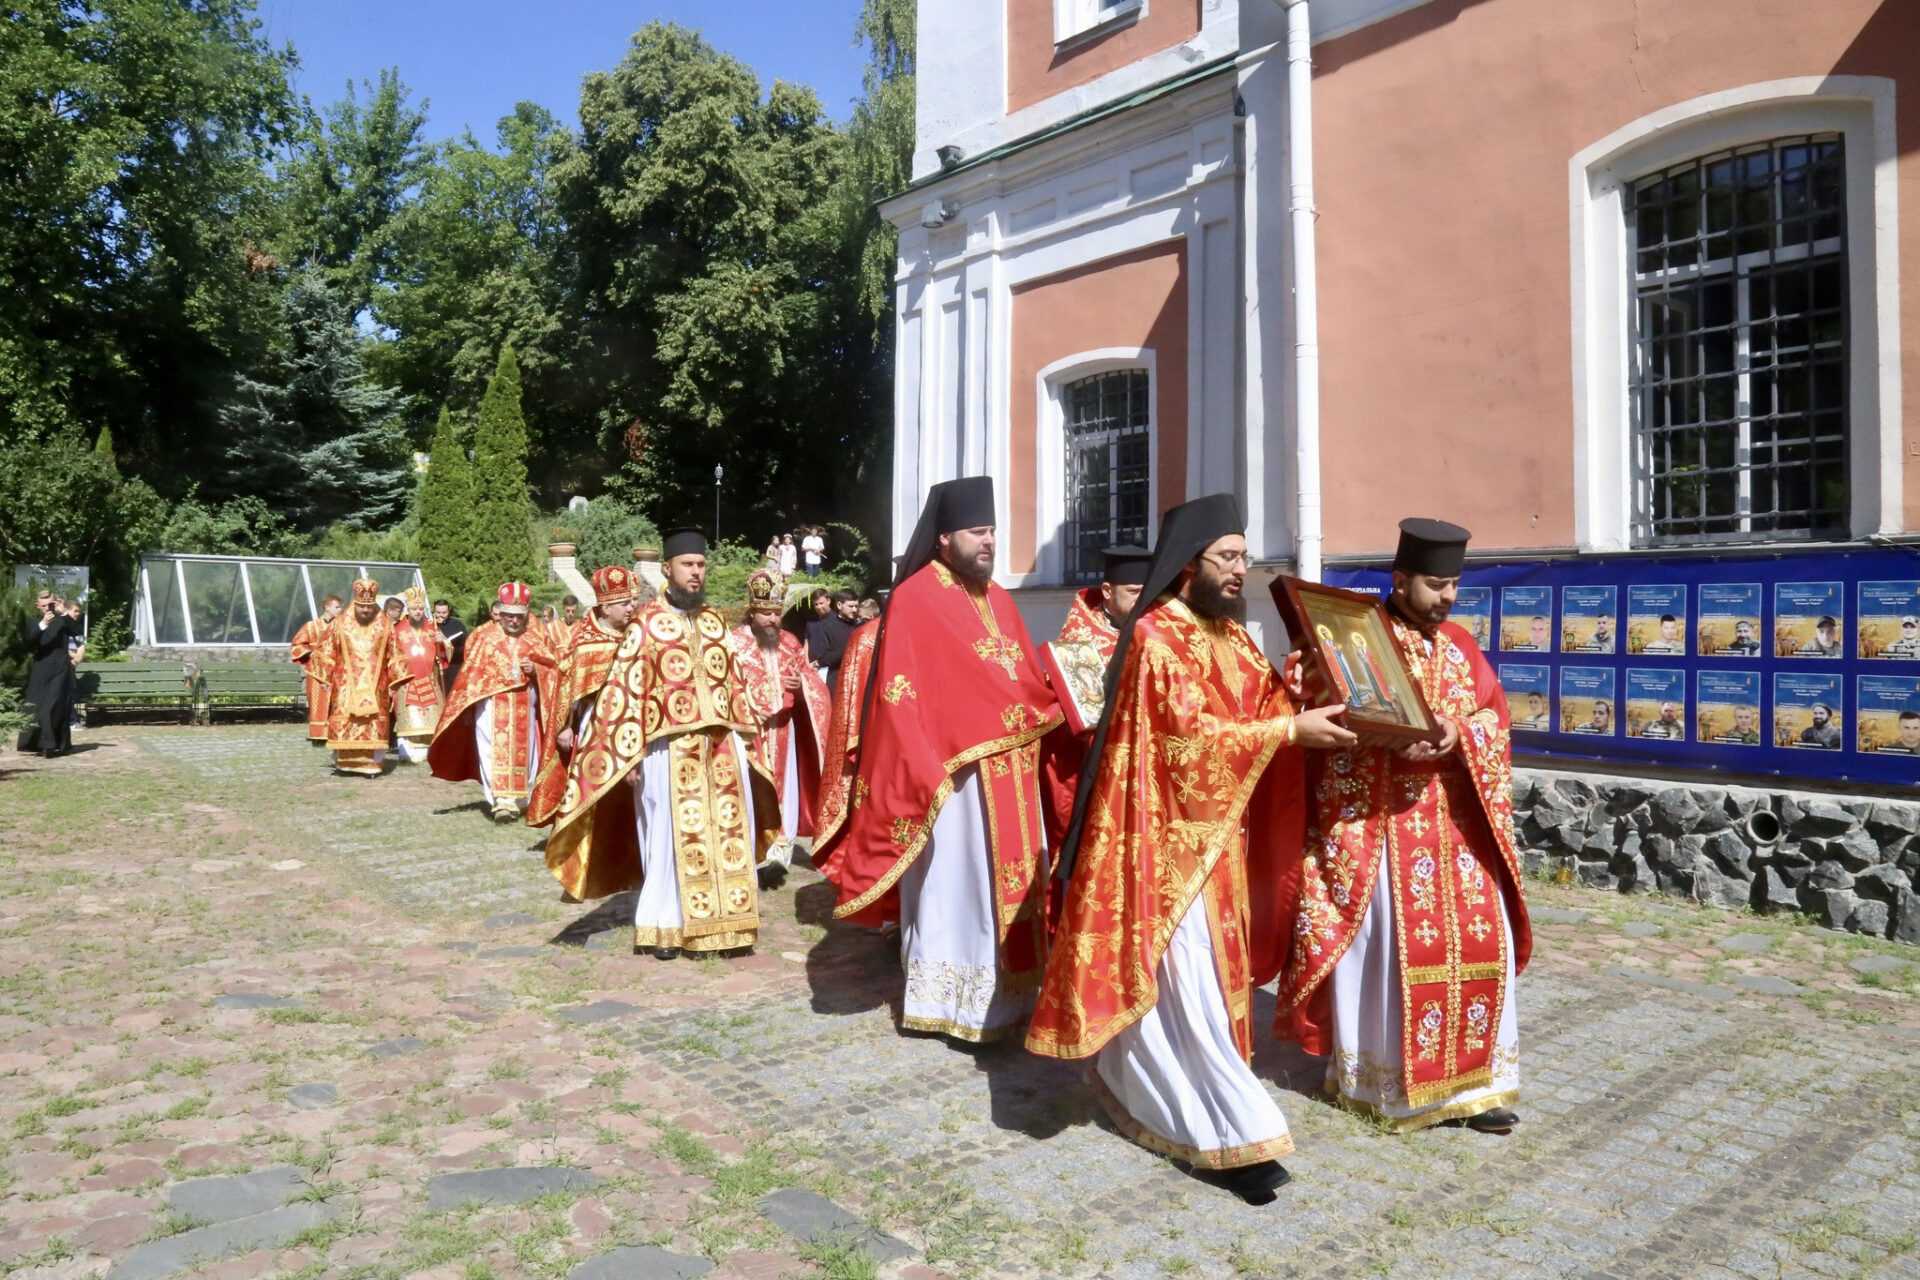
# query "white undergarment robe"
(1177, 1073)
(483, 742)
(1365, 1068)
(658, 906)
(781, 854)
(949, 935)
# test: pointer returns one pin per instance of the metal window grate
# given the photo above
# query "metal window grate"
(1108, 467)
(1739, 374)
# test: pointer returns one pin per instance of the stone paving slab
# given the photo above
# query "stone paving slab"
(643, 1262)
(504, 1186)
(243, 1196)
(194, 1248)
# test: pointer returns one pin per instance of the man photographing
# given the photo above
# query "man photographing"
(50, 679)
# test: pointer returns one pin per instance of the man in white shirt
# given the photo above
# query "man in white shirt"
(813, 550)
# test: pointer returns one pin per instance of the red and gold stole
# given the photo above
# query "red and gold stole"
(1195, 759)
(491, 673)
(363, 666)
(955, 683)
(840, 754)
(762, 677)
(673, 678)
(1076, 666)
(309, 650)
(1446, 827)
(583, 668)
(419, 647)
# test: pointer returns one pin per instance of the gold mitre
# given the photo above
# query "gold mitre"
(765, 590)
(366, 591)
(414, 597)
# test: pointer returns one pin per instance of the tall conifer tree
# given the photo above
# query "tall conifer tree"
(502, 547)
(447, 515)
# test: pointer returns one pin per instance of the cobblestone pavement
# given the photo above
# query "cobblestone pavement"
(256, 1020)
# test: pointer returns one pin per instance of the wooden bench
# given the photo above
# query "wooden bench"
(133, 686)
(250, 686)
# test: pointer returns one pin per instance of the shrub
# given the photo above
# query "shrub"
(608, 531)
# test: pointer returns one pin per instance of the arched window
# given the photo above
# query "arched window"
(1107, 422)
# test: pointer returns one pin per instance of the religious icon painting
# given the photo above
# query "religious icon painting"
(1807, 711)
(1526, 619)
(1889, 621)
(1347, 638)
(1657, 620)
(1657, 704)
(1587, 618)
(1730, 620)
(1586, 701)
(1529, 692)
(1809, 619)
(1887, 721)
(1473, 609)
(1728, 707)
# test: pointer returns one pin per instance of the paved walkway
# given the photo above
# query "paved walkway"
(256, 1020)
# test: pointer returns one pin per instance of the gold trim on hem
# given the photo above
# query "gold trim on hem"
(960, 1031)
(1221, 1158)
(1430, 1117)
(651, 936)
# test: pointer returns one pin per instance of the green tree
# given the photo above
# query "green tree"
(446, 510)
(103, 447)
(309, 428)
(137, 136)
(882, 133)
(501, 546)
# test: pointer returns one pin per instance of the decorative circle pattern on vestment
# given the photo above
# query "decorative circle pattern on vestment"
(686, 775)
(738, 898)
(599, 766)
(715, 660)
(711, 627)
(665, 626)
(733, 854)
(700, 903)
(629, 741)
(693, 861)
(682, 706)
(652, 716)
(571, 800)
(727, 810)
(690, 815)
(614, 704)
(676, 667)
(637, 679)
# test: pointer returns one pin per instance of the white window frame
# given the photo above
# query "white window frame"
(1600, 179)
(1083, 19)
(1050, 463)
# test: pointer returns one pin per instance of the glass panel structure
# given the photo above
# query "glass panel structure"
(1108, 471)
(232, 601)
(1738, 382)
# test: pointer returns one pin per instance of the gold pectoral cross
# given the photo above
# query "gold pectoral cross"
(1000, 651)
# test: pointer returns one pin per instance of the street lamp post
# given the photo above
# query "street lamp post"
(719, 472)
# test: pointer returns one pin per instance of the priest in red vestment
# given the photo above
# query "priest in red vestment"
(840, 756)
(309, 650)
(1188, 805)
(943, 828)
(426, 654)
(1410, 925)
(490, 730)
(584, 661)
(791, 704)
(363, 668)
(659, 794)
(1076, 666)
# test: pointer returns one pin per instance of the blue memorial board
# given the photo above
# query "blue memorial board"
(1716, 636)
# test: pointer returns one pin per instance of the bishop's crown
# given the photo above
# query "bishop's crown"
(515, 595)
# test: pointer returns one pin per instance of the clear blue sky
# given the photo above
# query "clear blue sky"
(473, 59)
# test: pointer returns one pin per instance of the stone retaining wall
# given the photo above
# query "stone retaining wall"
(1851, 864)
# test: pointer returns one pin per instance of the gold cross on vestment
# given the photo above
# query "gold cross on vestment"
(1418, 825)
(1426, 933)
(1479, 928)
(1000, 651)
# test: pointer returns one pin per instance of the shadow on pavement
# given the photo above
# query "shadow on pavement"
(612, 913)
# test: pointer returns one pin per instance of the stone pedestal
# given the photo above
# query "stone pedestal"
(563, 565)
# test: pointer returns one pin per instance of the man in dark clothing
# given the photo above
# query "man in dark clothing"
(827, 634)
(50, 681)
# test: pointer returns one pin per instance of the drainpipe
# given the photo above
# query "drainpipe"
(1306, 291)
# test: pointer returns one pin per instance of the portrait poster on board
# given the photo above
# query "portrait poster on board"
(1657, 620)
(1806, 711)
(1526, 619)
(1473, 609)
(1586, 700)
(1809, 620)
(1729, 620)
(1888, 717)
(1657, 704)
(1889, 621)
(1529, 691)
(1728, 707)
(1587, 619)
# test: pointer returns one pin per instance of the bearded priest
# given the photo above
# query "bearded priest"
(1076, 665)
(659, 791)
(308, 649)
(1189, 803)
(943, 830)
(363, 668)
(585, 661)
(1411, 924)
(791, 704)
(426, 654)
(490, 730)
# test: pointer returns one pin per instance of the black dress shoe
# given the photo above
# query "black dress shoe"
(772, 875)
(1498, 1120)
(666, 953)
(1254, 1183)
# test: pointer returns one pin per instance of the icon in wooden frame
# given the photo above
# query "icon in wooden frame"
(1349, 642)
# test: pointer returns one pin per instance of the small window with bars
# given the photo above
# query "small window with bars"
(1739, 375)
(1108, 467)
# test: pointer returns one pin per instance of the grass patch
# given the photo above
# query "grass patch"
(742, 1183)
(687, 1151)
(840, 1259)
(185, 1109)
(66, 1105)
(171, 1223)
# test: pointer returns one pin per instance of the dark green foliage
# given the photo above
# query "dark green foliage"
(447, 514)
(103, 447)
(607, 532)
(501, 546)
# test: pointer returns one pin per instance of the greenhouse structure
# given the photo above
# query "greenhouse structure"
(245, 601)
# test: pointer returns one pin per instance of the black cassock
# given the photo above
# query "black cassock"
(50, 682)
